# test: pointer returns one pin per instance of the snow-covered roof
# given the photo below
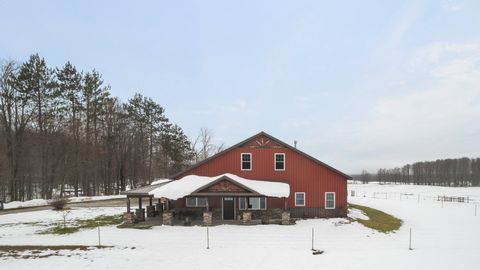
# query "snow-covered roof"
(144, 191)
(160, 181)
(192, 183)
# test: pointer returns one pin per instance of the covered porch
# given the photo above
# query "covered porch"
(223, 199)
(148, 206)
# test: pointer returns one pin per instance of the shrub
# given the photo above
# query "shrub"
(58, 203)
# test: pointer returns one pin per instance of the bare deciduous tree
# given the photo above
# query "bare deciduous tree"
(204, 146)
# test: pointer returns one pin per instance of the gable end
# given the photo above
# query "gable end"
(262, 140)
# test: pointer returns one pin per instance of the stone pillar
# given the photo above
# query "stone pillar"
(207, 218)
(285, 218)
(246, 217)
(187, 221)
(167, 218)
(128, 218)
(159, 208)
(140, 214)
(150, 211)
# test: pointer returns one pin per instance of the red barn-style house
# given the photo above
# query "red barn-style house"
(259, 178)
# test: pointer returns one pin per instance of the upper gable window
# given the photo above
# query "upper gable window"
(279, 162)
(246, 161)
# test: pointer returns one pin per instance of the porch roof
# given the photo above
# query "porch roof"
(191, 184)
(144, 191)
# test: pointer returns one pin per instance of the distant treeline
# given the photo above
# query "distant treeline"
(60, 127)
(441, 172)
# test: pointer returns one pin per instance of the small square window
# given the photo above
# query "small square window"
(246, 161)
(201, 201)
(196, 201)
(279, 162)
(329, 200)
(256, 203)
(242, 203)
(299, 198)
(191, 201)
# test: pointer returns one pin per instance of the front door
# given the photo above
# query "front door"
(228, 208)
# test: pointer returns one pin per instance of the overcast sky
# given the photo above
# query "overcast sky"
(359, 84)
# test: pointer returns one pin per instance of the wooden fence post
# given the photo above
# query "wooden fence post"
(312, 238)
(99, 243)
(410, 240)
(208, 239)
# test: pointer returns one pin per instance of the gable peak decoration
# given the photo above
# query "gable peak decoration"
(224, 186)
(262, 142)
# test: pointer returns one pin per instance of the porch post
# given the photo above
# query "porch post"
(128, 204)
(150, 208)
(140, 212)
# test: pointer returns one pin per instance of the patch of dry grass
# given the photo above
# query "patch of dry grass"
(378, 220)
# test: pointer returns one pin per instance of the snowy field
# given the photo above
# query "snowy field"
(42, 202)
(445, 237)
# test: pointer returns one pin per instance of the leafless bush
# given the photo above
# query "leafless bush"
(58, 203)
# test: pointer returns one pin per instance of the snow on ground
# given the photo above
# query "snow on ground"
(443, 238)
(413, 192)
(357, 214)
(42, 202)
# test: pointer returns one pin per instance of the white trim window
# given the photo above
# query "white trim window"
(252, 203)
(196, 201)
(246, 161)
(279, 162)
(299, 198)
(329, 200)
(242, 203)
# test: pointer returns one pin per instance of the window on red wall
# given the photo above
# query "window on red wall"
(329, 200)
(246, 161)
(279, 162)
(299, 198)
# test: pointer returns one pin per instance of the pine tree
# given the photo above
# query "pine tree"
(69, 85)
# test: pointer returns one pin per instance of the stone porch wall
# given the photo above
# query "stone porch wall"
(271, 213)
(303, 212)
(264, 215)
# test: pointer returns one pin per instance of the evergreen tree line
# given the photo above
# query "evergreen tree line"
(60, 128)
(441, 172)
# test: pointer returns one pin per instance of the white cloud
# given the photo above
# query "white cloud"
(404, 20)
(238, 106)
(451, 5)
(439, 118)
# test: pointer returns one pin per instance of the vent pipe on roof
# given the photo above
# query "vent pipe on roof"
(295, 143)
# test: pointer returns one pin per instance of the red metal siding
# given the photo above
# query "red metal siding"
(302, 173)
